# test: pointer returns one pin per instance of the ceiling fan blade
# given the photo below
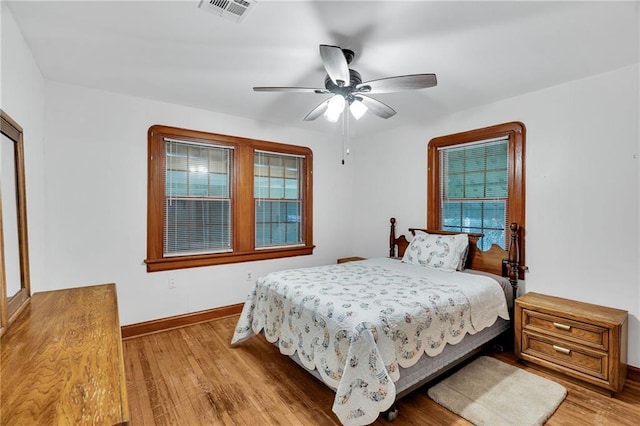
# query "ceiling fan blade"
(335, 63)
(375, 106)
(317, 111)
(397, 84)
(291, 89)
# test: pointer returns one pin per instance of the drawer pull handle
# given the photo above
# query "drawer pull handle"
(561, 350)
(562, 326)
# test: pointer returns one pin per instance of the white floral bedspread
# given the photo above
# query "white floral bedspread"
(357, 322)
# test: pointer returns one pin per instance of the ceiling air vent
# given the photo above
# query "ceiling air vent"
(234, 10)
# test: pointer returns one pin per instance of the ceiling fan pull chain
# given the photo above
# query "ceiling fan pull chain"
(345, 131)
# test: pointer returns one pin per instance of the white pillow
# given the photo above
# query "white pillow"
(442, 252)
(463, 258)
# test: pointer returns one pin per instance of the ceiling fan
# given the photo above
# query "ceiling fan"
(347, 87)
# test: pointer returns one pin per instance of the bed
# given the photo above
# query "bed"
(374, 330)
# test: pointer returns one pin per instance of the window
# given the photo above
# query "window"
(474, 190)
(215, 199)
(278, 199)
(197, 213)
(476, 183)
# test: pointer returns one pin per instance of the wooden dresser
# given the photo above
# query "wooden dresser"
(62, 361)
(582, 340)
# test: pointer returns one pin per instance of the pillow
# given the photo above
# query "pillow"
(444, 252)
(463, 258)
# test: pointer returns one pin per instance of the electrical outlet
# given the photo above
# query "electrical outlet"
(249, 276)
(172, 282)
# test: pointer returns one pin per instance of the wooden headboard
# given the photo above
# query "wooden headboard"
(496, 260)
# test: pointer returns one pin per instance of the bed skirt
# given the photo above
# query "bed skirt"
(428, 368)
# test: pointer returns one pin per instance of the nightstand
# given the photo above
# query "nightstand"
(350, 259)
(581, 340)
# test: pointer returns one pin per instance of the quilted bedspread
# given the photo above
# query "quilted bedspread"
(357, 322)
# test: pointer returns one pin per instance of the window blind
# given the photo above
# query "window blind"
(474, 190)
(197, 216)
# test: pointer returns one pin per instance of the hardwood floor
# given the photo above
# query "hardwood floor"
(191, 376)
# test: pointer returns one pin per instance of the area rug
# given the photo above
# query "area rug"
(490, 392)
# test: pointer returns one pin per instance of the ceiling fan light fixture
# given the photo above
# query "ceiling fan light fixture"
(335, 107)
(348, 88)
(358, 109)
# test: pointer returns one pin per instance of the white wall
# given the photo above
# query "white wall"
(92, 190)
(582, 189)
(581, 179)
(22, 98)
(96, 180)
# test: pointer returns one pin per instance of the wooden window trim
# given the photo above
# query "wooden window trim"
(243, 216)
(516, 132)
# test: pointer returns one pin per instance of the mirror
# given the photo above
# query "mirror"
(14, 253)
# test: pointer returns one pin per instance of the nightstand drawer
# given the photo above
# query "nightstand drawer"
(575, 357)
(574, 331)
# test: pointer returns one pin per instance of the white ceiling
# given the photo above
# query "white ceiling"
(173, 51)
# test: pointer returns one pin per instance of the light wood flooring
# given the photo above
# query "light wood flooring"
(191, 376)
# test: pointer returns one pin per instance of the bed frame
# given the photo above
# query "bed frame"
(496, 260)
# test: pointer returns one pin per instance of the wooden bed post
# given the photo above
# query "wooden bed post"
(392, 238)
(514, 260)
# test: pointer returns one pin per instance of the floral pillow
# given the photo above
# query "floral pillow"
(444, 252)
